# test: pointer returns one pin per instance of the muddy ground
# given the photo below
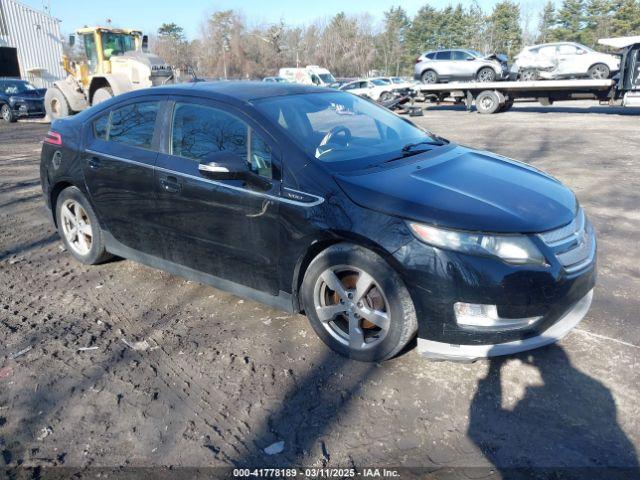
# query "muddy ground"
(215, 379)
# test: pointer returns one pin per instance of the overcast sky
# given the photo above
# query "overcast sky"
(148, 15)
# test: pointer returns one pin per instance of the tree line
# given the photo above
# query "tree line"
(229, 46)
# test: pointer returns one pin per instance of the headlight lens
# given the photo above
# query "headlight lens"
(516, 249)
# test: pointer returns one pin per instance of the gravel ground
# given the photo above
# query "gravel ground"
(180, 374)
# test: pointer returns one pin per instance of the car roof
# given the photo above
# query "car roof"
(243, 91)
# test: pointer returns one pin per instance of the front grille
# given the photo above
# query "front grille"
(574, 245)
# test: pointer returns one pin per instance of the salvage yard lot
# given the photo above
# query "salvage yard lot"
(182, 374)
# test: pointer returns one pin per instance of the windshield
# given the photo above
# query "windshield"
(475, 53)
(326, 77)
(117, 43)
(14, 87)
(343, 129)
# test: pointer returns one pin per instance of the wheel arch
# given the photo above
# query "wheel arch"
(319, 246)
(55, 192)
(600, 62)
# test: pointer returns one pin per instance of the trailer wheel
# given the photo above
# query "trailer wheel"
(56, 104)
(488, 102)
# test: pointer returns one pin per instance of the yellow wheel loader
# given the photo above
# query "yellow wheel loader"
(114, 61)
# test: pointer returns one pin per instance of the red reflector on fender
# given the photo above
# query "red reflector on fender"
(54, 138)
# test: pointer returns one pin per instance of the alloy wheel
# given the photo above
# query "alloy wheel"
(352, 307)
(485, 75)
(6, 114)
(599, 72)
(429, 77)
(76, 227)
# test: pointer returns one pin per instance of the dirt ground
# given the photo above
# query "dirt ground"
(180, 374)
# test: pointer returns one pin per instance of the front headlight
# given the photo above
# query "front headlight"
(515, 249)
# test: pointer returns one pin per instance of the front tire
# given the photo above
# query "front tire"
(529, 75)
(357, 304)
(79, 228)
(385, 97)
(56, 104)
(486, 74)
(7, 114)
(599, 72)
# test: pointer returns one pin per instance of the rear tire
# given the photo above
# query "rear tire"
(7, 114)
(101, 95)
(357, 304)
(429, 76)
(79, 228)
(486, 74)
(56, 104)
(385, 97)
(529, 75)
(599, 72)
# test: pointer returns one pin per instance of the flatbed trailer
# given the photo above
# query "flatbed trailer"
(494, 97)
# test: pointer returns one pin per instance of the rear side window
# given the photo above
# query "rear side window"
(444, 55)
(199, 130)
(134, 124)
(430, 55)
(101, 127)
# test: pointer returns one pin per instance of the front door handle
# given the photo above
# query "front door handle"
(170, 184)
(94, 163)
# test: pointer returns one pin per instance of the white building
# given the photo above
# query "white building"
(30, 44)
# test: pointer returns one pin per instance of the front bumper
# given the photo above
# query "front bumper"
(447, 351)
(28, 109)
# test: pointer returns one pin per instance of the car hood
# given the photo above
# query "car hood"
(460, 188)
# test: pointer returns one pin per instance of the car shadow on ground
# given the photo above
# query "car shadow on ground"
(567, 423)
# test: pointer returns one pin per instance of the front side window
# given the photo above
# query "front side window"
(567, 50)
(131, 125)
(200, 130)
(117, 44)
(460, 55)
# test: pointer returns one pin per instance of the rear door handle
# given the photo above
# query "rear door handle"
(170, 184)
(94, 163)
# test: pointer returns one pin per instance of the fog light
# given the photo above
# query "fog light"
(486, 317)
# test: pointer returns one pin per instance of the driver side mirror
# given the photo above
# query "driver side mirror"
(224, 166)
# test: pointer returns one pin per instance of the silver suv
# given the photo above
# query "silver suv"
(460, 64)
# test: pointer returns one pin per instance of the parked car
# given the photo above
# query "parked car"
(460, 64)
(313, 200)
(20, 99)
(397, 82)
(309, 75)
(563, 60)
(374, 88)
(274, 79)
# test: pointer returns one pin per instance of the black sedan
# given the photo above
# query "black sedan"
(317, 201)
(20, 99)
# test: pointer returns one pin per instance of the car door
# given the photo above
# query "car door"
(225, 228)
(120, 151)
(443, 64)
(570, 62)
(463, 65)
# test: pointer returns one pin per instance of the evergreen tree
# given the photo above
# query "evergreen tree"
(571, 21)
(547, 23)
(598, 20)
(504, 28)
(391, 42)
(626, 18)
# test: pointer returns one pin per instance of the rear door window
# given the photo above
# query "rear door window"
(443, 55)
(131, 125)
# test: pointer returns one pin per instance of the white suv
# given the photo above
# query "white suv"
(563, 60)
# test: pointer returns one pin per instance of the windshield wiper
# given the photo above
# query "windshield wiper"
(437, 141)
